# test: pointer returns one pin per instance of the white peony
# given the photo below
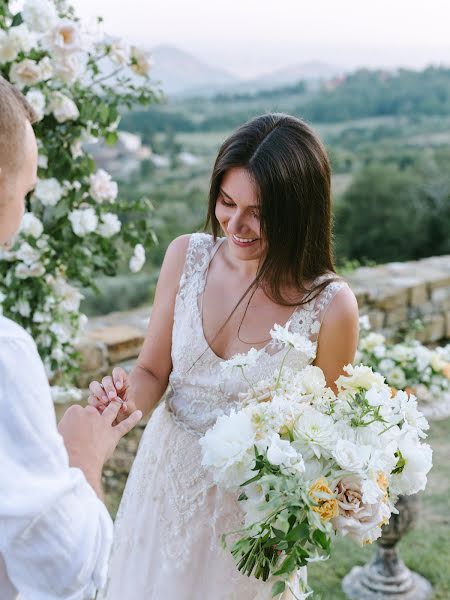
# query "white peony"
(83, 221)
(39, 15)
(137, 261)
(417, 458)
(109, 225)
(102, 187)
(227, 449)
(48, 191)
(63, 108)
(31, 225)
(25, 73)
(141, 61)
(36, 99)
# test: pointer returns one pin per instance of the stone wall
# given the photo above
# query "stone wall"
(392, 295)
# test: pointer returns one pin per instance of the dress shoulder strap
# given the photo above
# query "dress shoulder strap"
(197, 260)
(308, 318)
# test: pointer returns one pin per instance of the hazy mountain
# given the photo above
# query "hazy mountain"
(180, 72)
(309, 71)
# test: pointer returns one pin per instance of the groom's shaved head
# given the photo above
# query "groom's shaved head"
(14, 113)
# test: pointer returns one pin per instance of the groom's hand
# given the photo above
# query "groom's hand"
(91, 438)
(110, 388)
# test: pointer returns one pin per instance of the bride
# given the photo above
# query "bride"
(216, 297)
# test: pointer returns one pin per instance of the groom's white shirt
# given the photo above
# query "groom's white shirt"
(55, 534)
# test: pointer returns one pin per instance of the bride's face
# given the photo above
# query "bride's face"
(238, 214)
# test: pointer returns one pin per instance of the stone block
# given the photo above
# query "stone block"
(377, 319)
(434, 329)
(447, 324)
(122, 341)
(388, 297)
(94, 354)
(440, 295)
(396, 316)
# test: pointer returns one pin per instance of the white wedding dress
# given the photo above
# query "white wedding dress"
(167, 538)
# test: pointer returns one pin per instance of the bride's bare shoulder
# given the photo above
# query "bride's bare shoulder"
(175, 256)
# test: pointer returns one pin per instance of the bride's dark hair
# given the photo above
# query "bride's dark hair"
(291, 172)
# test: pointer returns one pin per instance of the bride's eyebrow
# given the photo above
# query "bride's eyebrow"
(230, 198)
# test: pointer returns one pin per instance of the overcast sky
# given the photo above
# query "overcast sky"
(250, 37)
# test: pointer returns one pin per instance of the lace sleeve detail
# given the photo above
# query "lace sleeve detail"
(308, 318)
(197, 259)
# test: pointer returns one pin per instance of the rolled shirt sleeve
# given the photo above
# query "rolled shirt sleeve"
(55, 533)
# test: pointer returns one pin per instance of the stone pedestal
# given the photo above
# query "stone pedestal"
(386, 576)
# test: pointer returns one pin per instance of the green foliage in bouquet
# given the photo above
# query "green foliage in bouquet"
(79, 82)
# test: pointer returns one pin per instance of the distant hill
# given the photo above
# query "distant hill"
(308, 71)
(181, 72)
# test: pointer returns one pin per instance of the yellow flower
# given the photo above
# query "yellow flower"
(327, 508)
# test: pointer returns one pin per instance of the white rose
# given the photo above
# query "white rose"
(359, 377)
(23, 308)
(64, 37)
(227, 449)
(43, 161)
(46, 68)
(350, 456)
(48, 191)
(69, 68)
(31, 225)
(24, 271)
(437, 362)
(25, 73)
(406, 407)
(76, 149)
(281, 452)
(137, 261)
(386, 365)
(141, 62)
(358, 519)
(8, 48)
(27, 254)
(109, 226)
(63, 108)
(83, 221)
(102, 187)
(372, 340)
(36, 99)
(118, 52)
(39, 15)
(24, 39)
(417, 459)
(378, 397)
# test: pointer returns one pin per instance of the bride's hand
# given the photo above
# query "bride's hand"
(112, 388)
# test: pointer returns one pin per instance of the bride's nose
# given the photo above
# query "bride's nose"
(237, 224)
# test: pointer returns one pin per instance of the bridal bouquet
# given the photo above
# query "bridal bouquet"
(309, 463)
(410, 366)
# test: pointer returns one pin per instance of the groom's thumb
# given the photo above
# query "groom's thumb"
(127, 424)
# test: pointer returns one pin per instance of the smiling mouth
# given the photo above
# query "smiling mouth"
(243, 240)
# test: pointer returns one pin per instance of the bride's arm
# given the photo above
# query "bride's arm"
(148, 380)
(338, 336)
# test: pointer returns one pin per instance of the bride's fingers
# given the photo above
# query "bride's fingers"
(96, 403)
(109, 388)
(97, 390)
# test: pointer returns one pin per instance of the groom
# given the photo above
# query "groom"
(55, 531)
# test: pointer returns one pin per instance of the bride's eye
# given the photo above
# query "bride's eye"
(225, 203)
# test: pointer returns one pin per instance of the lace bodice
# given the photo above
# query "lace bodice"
(198, 391)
